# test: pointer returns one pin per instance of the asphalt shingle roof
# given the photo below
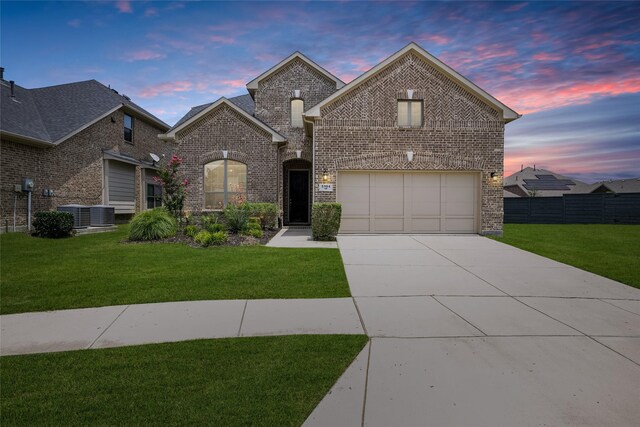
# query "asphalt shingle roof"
(51, 113)
(243, 101)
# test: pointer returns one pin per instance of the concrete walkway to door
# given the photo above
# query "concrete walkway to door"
(469, 331)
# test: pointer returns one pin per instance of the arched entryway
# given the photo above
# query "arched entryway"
(297, 192)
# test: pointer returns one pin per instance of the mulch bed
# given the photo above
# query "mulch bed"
(234, 240)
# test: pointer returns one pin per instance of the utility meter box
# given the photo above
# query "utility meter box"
(27, 185)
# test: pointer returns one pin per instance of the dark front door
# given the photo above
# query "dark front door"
(299, 197)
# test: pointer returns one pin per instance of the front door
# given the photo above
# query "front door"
(299, 197)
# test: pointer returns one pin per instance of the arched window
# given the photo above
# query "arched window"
(297, 108)
(223, 179)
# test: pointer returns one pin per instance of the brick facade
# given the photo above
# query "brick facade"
(359, 131)
(74, 168)
(225, 129)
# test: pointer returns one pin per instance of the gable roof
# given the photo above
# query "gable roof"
(507, 113)
(617, 186)
(200, 111)
(243, 101)
(252, 86)
(50, 115)
(544, 183)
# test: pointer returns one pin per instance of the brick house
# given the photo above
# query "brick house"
(409, 146)
(81, 143)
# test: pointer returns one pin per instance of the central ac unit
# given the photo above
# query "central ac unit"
(81, 214)
(103, 215)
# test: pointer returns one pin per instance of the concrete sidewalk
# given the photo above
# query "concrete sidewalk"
(297, 238)
(117, 326)
(469, 331)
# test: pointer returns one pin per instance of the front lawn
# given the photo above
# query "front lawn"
(270, 381)
(611, 251)
(97, 270)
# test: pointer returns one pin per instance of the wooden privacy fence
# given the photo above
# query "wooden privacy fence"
(603, 208)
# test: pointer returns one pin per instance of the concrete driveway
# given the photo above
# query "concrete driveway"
(469, 331)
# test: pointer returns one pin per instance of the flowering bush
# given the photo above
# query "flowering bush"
(174, 186)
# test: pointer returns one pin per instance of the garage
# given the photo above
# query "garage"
(409, 202)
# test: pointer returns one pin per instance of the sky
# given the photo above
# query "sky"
(572, 69)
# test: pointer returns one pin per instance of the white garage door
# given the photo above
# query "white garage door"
(408, 202)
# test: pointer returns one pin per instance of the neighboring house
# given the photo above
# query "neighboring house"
(410, 146)
(533, 182)
(81, 143)
(618, 186)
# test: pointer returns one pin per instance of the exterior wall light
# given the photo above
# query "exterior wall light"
(410, 156)
(325, 176)
(298, 153)
(495, 176)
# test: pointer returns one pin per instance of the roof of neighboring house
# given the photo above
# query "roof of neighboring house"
(514, 191)
(243, 101)
(508, 113)
(237, 105)
(49, 115)
(617, 186)
(543, 183)
(252, 86)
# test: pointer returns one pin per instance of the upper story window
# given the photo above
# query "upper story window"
(410, 114)
(297, 108)
(128, 128)
(224, 180)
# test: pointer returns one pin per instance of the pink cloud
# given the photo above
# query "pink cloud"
(545, 56)
(434, 38)
(508, 68)
(516, 7)
(532, 99)
(124, 6)
(222, 39)
(143, 55)
(234, 83)
(165, 88)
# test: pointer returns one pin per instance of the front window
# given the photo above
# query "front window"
(297, 108)
(154, 196)
(410, 114)
(224, 180)
(128, 128)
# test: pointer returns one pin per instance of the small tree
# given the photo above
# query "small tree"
(174, 187)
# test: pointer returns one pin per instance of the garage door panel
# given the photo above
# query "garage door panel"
(389, 225)
(408, 202)
(354, 225)
(425, 225)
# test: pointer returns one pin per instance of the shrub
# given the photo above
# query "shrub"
(174, 186)
(254, 220)
(154, 224)
(53, 225)
(255, 232)
(267, 212)
(191, 231)
(219, 238)
(206, 238)
(325, 220)
(214, 228)
(236, 217)
(209, 219)
(203, 238)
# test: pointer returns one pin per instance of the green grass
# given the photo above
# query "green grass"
(97, 270)
(611, 251)
(270, 381)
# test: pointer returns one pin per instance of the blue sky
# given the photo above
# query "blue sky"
(571, 68)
